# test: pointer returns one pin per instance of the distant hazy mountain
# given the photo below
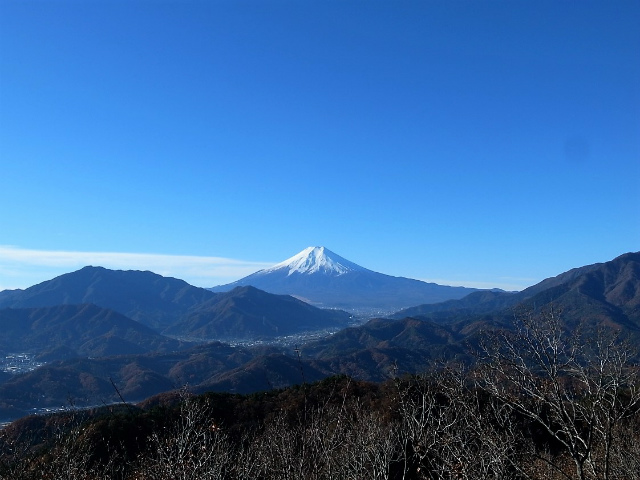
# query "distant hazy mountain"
(323, 278)
(76, 330)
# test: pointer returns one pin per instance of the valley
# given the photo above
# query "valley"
(102, 382)
(148, 334)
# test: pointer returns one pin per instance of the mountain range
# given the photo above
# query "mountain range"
(148, 298)
(609, 290)
(85, 337)
(246, 312)
(324, 279)
(87, 330)
(149, 303)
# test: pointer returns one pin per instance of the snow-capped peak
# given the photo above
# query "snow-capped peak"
(316, 259)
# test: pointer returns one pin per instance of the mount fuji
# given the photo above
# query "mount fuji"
(322, 278)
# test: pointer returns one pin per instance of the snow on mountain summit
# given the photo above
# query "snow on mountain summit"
(322, 278)
(315, 260)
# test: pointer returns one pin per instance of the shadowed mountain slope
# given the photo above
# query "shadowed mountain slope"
(247, 312)
(610, 289)
(88, 381)
(146, 297)
(174, 307)
(77, 330)
(598, 295)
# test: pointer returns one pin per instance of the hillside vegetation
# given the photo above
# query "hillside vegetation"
(539, 404)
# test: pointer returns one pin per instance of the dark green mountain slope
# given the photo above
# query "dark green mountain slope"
(87, 381)
(174, 307)
(247, 312)
(611, 288)
(600, 295)
(77, 330)
(146, 297)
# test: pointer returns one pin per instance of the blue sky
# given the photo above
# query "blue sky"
(481, 143)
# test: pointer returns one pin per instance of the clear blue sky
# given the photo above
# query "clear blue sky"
(491, 143)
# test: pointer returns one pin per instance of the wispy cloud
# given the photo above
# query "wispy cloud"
(21, 268)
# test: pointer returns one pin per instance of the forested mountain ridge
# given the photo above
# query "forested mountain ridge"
(77, 330)
(602, 295)
(612, 286)
(173, 307)
(247, 312)
(146, 297)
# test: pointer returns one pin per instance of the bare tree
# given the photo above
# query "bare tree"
(15, 455)
(193, 446)
(335, 437)
(577, 393)
(69, 457)
(371, 445)
(450, 431)
(278, 452)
